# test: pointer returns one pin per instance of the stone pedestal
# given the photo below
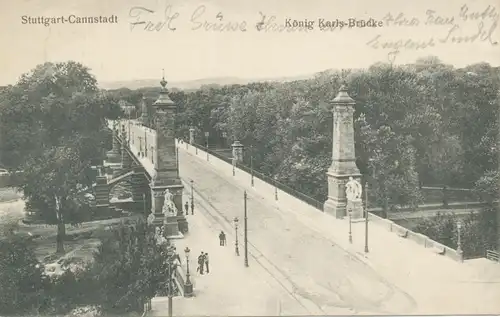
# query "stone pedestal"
(114, 155)
(356, 208)
(237, 151)
(172, 227)
(191, 136)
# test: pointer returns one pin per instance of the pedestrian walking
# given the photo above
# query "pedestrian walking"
(186, 206)
(222, 238)
(201, 260)
(206, 262)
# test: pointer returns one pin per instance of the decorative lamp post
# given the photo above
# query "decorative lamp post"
(206, 141)
(188, 286)
(251, 164)
(177, 158)
(275, 187)
(366, 204)
(140, 146)
(192, 197)
(459, 241)
(145, 143)
(237, 250)
(245, 227)
(350, 225)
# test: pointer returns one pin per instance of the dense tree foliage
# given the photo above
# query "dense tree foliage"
(53, 127)
(128, 268)
(427, 123)
(21, 277)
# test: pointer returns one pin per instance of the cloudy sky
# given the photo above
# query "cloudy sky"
(118, 52)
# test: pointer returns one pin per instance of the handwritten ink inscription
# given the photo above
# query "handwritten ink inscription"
(147, 19)
(150, 21)
(466, 26)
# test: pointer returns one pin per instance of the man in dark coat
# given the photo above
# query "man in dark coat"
(205, 258)
(186, 206)
(201, 262)
(222, 238)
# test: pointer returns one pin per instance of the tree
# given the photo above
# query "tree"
(21, 277)
(129, 268)
(54, 127)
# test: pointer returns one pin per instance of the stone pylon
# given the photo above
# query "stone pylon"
(343, 156)
(165, 164)
(191, 136)
(113, 155)
(237, 151)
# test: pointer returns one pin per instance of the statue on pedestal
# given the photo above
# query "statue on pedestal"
(169, 208)
(353, 190)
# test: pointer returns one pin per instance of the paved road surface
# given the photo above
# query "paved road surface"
(319, 271)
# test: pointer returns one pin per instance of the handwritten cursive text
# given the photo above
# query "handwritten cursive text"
(145, 18)
(201, 23)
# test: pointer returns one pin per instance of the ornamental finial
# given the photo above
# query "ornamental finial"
(163, 82)
(343, 86)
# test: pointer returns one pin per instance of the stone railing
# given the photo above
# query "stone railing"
(418, 238)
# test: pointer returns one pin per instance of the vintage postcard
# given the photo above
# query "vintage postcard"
(249, 158)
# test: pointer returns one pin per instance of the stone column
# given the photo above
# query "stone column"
(114, 155)
(191, 136)
(237, 151)
(343, 155)
(165, 163)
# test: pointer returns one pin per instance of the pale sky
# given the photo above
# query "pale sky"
(114, 52)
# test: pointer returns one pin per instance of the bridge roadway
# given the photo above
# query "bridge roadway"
(312, 253)
(309, 253)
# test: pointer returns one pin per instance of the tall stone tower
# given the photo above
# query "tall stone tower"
(165, 162)
(343, 154)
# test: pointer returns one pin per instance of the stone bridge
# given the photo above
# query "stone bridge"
(287, 234)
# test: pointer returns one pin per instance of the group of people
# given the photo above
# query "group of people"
(203, 263)
(203, 260)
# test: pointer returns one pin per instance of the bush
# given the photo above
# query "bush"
(21, 277)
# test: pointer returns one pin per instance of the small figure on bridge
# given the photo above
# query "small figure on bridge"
(186, 206)
(205, 258)
(201, 261)
(222, 238)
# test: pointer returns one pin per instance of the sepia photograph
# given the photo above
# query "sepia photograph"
(236, 158)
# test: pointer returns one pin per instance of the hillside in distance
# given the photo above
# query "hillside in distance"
(194, 84)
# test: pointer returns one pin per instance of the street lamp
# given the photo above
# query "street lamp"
(251, 164)
(366, 204)
(459, 240)
(140, 146)
(275, 187)
(246, 228)
(236, 242)
(206, 142)
(177, 158)
(350, 225)
(145, 143)
(188, 286)
(192, 198)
